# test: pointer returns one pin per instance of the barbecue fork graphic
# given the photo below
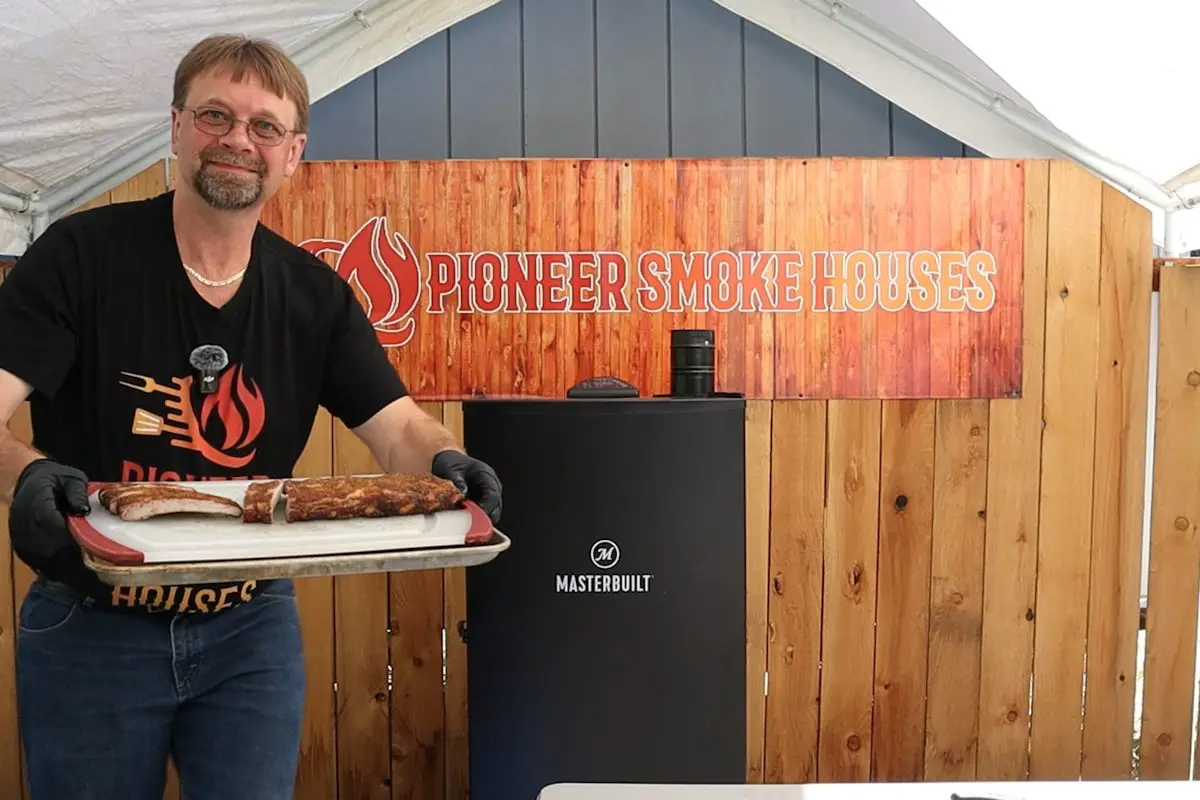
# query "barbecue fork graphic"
(181, 419)
(180, 422)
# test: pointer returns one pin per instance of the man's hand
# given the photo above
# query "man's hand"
(44, 492)
(473, 478)
(401, 437)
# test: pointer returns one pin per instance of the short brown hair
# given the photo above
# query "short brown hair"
(245, 54)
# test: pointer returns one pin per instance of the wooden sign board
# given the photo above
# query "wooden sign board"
(822, 278)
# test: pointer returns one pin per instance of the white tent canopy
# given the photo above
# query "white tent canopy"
(85, 92)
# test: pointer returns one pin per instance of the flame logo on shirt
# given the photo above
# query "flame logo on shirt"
(387, 272)
(230, 420)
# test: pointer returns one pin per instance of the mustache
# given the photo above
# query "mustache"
(232, 160)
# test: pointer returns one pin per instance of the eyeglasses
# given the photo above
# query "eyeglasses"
(217, 122)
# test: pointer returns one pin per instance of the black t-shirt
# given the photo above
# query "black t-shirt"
(100, 318)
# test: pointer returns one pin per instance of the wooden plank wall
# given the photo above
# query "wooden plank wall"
(926, 579)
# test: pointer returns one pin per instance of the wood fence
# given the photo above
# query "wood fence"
(928, 582)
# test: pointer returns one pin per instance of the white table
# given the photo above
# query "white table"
(1012, 790)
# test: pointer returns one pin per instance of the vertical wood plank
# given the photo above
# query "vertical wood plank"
(12, 782)
(1114, 607)
(22, 575)
(152, 181)
(416, 614)
(1011, 540)
(906, 503)
(758, 558)
(1171, 612)
(149, 182)
(454, 582)
(318, 773)
(956, 589)
(21, 426)
(1068, 444)
(173, 790)
(102, 199)
(316, 777)
(848, 626)
(360, 604)
(18, 576)
(794, 604)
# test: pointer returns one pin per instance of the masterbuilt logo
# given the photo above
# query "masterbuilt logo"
(605, 554)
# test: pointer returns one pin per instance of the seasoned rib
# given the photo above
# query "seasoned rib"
(139, 501)
(368, 496)
(261, 499)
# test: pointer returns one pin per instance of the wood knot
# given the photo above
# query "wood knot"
(854, 581)
(1181, 523)
(1012, 715)
(975, 430)
(1164, 739)
(380, 697)
(789, 654)
(1029, 615)
(1193, 378)
(1063, 292)
(956, 598)
(777, 584)
(853, 743)
(901, 502)
(851, 479)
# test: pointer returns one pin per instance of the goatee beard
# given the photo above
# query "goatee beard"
(227, 192)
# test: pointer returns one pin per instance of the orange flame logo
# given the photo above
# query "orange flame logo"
(238, 403)
(386, 270)
(242, 425)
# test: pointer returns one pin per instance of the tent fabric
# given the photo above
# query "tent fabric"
(95, 76)
(84, 100)
(1105, 78)
(92, 78)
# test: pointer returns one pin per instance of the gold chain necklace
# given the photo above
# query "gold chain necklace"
(208, 282)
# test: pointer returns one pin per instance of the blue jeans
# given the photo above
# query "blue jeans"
(104, 696)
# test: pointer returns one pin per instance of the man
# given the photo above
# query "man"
(97, 323)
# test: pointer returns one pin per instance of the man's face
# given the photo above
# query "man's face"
(234, 171)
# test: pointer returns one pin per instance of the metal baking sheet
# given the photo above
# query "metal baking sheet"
(189, 538)
(298, 566)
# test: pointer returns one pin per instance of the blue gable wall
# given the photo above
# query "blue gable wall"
(612, 78)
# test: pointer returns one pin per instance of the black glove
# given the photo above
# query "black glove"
(473, 478)
(45, 491)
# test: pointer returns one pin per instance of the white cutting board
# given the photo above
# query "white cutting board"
(196, 537)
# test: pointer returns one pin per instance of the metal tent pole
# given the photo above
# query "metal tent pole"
(15, 202)
(1171, 248)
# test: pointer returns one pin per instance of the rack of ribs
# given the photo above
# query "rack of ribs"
(261, 499)
(367, 496)
(139, 501)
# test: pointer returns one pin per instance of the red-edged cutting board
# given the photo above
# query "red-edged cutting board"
(176, 538)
